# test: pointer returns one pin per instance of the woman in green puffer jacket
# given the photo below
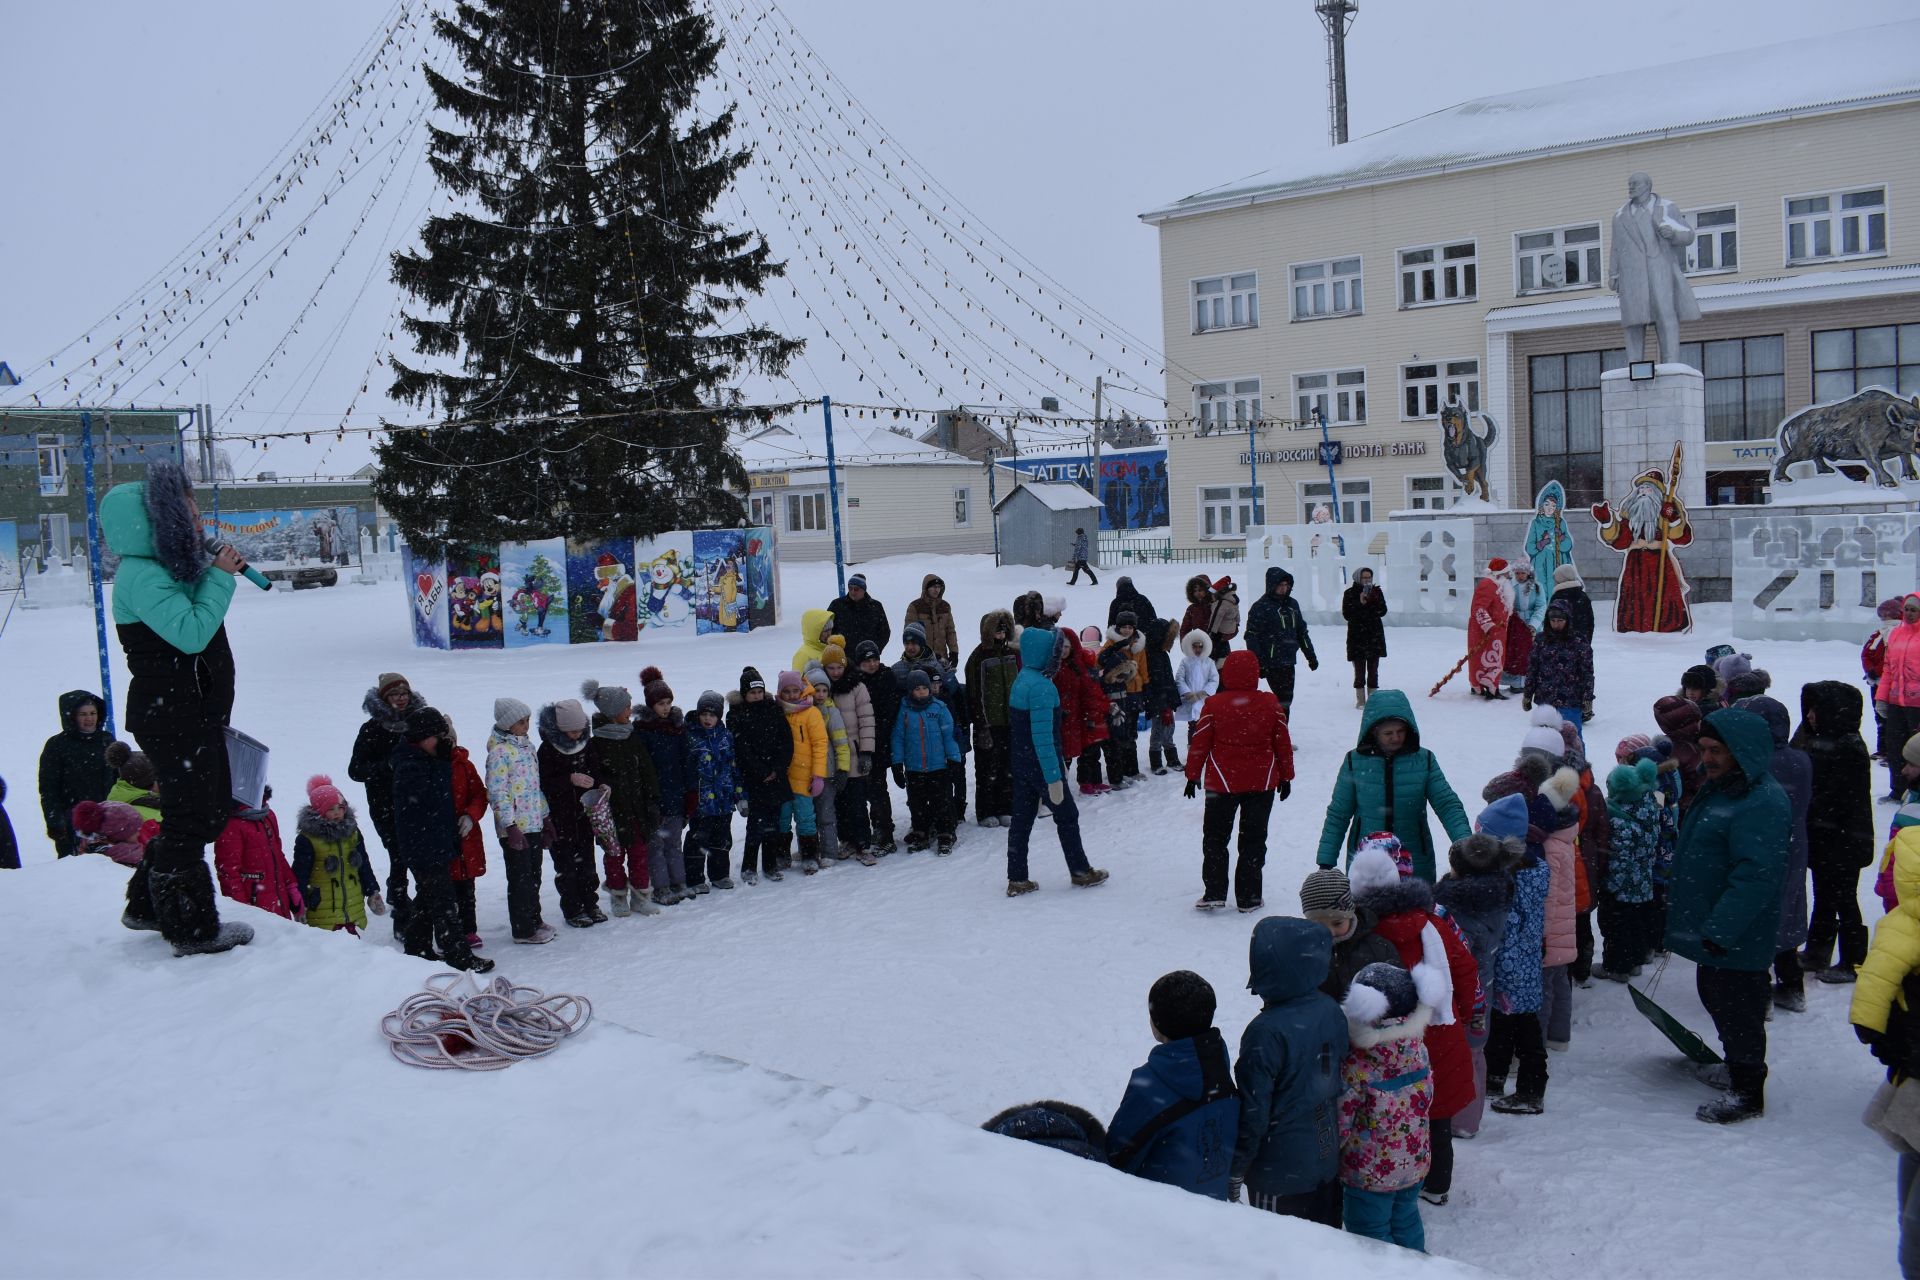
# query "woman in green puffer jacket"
(1386, 783)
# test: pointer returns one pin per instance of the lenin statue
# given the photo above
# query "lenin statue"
(1647, 267)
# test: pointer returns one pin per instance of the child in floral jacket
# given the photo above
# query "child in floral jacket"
(1384, 1143)
(721, 792)
(520, 815)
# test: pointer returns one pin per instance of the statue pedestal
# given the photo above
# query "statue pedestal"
(1641, 421)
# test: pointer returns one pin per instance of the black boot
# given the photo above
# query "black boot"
(139, 913)
(1173, 758)
(1817, 955)
(183, 902)
(810, 854)
(1853, 951)
(1745, 1100)
(1153, 762)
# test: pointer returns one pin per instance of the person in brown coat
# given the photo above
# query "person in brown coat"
(1199, 614)
(931, 610)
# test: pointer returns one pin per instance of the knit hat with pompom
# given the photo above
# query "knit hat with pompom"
(322, 795)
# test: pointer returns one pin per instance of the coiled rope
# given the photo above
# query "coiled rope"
(454, 1024)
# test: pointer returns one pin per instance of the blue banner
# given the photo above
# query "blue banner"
(1133, 483)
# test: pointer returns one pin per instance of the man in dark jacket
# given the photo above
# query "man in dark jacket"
(1840, 835)
(387, 704)
(884, 689)
(1128, 600)
(1077, 560)
(762, 750)
(427, 839)
(1277, 634)
(858, 616)
(1288, 1150)
(1178, 1119)
(991, 670)
(73, 765)
(1723, 898)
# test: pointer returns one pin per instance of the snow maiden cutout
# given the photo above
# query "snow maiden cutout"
(427, 590)
(1549, 543)
(1650, 524)
(536, 592)
(667, 580)
(603, 601)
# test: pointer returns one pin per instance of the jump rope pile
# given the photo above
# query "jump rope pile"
(455, 1024)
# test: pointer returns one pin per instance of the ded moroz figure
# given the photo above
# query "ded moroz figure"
(1647, 267)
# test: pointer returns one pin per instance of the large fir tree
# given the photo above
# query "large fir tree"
(571, 341)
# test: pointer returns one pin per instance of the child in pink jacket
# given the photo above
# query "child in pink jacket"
(252, 863)
(1385, 1146)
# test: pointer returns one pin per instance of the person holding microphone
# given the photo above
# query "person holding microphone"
(170, 599)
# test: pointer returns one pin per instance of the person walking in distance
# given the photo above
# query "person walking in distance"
(1277, 635)
(170, 606)
(1079, 563)
(1365, 609)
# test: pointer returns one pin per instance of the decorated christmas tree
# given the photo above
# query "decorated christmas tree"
(575, 323)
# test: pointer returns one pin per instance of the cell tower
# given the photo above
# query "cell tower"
(1337, 17)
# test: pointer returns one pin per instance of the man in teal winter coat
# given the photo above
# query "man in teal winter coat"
(1386, 783)
(1039, 774)
(1723, 898)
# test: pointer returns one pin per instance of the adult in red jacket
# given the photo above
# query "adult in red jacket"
(1435, 953)
(1242, 754)
(470, 863)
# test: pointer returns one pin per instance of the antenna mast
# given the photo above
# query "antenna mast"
(1337, 17)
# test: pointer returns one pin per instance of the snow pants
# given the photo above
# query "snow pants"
(627, 869)
(1087, 771)
(463, 898)
(173, 884)
(523, 887)
(1626, 929)
(1323, 1204)
(1907, 1188)
(929, 803)
(436, 918)
(1366, 672)
(1836, 914)
(574, 878)
(1440, 1171)
(856, 829)
(1393, 1216)
(1737, 1001)
(1280, 680)
(1522, 1036)
(993, 771)
(1556, 1007)
(796, 814)
(709, 852)
(763, 825)
(1029, 795)
(879, 803)
(957, 789)
(1159, 738)
(1255, 809)
(666, 861)
(826, 816)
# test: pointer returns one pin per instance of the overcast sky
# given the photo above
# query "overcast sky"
(129, 126)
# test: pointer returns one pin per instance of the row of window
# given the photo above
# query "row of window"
(806, 511)
(1819, 228)
(1340, 395)
(1228, 511)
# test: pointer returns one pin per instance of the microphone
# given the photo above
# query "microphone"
(247, 571)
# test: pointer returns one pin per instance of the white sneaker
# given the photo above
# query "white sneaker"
(1210, 904)
(538, 938)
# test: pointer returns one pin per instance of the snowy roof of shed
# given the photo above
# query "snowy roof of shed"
(1843, 70)
(857, 443)
(1057, 497)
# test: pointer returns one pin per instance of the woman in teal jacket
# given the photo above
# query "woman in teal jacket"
(170, 606)
(1386, 783)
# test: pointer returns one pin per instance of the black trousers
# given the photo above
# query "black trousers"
(436, 918)
(1254, 808)
(1079, 567)
(1440, 1171)
(929, 796)
(709, 847)
(1737, 1000)
(763, 827)
(1366, 672)
(879, 803)
(1627, 930)
(852, 820)
(399, 902)
(463, 898)
(1836, 911)
(1280, 680)
(523, 888)
(172, 884)
(1518, 1035)
(576, 877)
(957, 789)
(1323, 1204)
(1582, 966)
(993, 772)
(1087, 771)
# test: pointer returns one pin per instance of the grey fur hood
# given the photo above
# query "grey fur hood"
(316, 827)
(392, 721)
(177, 541)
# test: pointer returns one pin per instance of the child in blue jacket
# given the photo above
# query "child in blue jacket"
(1180, 1115)
(720, 793)
(923, 746)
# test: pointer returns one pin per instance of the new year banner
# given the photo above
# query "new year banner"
(763, 578)
(533, 579)
(663, 566)
(426, 581)
(603, 601)
(473, 594)
(720, 576)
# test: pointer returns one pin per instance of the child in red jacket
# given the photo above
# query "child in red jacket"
(1084, 707)
(469, 806)
(252, 863)
(1242, 754)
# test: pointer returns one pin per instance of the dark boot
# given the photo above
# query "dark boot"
(1173, 758)
(139, 913)
(1853, 951)
(1745, 1100)
(1818, 954)
(1153, 762)
(183, 900)
(773, 854)
(810, 854)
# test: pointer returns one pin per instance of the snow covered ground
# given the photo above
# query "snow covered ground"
(915, 984)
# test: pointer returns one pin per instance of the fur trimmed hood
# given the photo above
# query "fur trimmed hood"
(993, 620)
(1361, 1031)
(1409, 894)
(1197, 644)
(316, 826)
(548, 722)
(1483, 854)
(1561, 788)
(1136, 645)
(1475, 892)
(392, 721)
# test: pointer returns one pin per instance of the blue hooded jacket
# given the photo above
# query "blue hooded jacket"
(1195, 1150)
(1289, 1067)
(1033, 710)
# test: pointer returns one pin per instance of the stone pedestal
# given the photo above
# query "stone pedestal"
(1641, 421)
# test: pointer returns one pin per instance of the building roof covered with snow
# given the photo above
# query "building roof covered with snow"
(1055, 497)
(1832, 71)
(803, 445)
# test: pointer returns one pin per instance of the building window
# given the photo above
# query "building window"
(1432, 493)
(962, 507)
(761, 508)
(1837, 224)
(1850, 360)
(1565, 413)
(1440, 273)
(1746, 385)
(1326, 289)
(1425, 387)
(1220, 405)
(1558, 258)
(53, 465)
(806, 512)
(1228, 511)
(1356, 499)
(1340, 394)
(1226, 302)
(1716, 240)
(53, 537)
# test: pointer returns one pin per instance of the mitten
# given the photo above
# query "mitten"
(1526, 702)
(515, 839)
(1056, 793)
(819, 785)
(1313, 663)
(377, 904)
(899, 775)
(1866, 1035)
(580, 780)
(466, 826)
(1193, 788)
(1285, 789)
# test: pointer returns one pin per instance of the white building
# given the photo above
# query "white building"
(898, 496)
(1462, 254)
